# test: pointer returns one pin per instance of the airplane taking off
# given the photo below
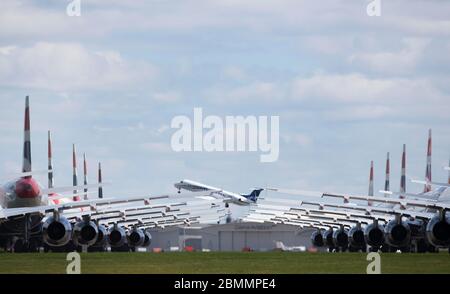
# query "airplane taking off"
(229, 197)
(32, 217)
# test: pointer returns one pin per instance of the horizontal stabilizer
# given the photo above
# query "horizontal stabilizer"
(72, 188)
(432, 183)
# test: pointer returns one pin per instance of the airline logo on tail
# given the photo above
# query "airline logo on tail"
(253, 196)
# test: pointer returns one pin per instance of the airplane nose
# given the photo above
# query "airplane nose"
(27, 189)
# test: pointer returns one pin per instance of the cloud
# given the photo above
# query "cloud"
(156, 147)
(403, 61)
(69, 66)
(299, 139)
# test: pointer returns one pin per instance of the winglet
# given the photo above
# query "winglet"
(26, 164)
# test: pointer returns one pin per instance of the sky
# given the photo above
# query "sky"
(347, 87)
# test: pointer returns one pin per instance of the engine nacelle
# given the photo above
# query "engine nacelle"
(85, 233)
(102, 236)
(317, 239)
(56, 231)
(374, 235)
(117, 236)
(356, 237)
(438, 231)
(135, 237)
(397, 233)
(328, 238)
(147, 239)
(340, 238)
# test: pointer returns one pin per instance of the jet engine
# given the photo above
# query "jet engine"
(374, 234)
(147, 239)
(340, 238)
(56, 231)
(85, 233)
(101, 236)
(397, 233)
(135, 237)
(317, 239)
(356, 237)
(438, 231)
(328, 238)
(117, 236)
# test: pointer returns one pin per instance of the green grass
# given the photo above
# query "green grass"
(224, 262)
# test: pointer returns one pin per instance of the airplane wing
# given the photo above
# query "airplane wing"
(346, 197)
(91, 205)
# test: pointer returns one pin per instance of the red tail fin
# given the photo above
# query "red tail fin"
(386, 182)
(26, 164)
(371, 182)
(75, 176)
(100, 189)
(403, 174)
(85, 176)
(50, 165)
(427, 187)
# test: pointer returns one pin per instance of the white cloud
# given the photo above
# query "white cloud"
(69, 66)
(167, 97)
(403, 61)
(156, 147)
(299, 139)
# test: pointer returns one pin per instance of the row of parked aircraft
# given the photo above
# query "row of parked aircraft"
(395, 221)
(64, 218)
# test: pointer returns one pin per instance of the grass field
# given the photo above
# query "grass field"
(223, 262)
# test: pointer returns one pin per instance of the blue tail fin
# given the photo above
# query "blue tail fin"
(253, 196)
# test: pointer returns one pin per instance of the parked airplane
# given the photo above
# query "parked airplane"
(425, 217)
(229, 197)
(32, 216)
(279, 245)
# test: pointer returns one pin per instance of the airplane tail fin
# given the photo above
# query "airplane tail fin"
(449, 173)
(253, 196)
(50, 165)
(427, 187)
(370, 182)
(387, 180)
(26, 164)
(100, 189)
(403, 174)
(75, 175)
(85, 176)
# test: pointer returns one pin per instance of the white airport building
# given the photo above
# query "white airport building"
(236, 236)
